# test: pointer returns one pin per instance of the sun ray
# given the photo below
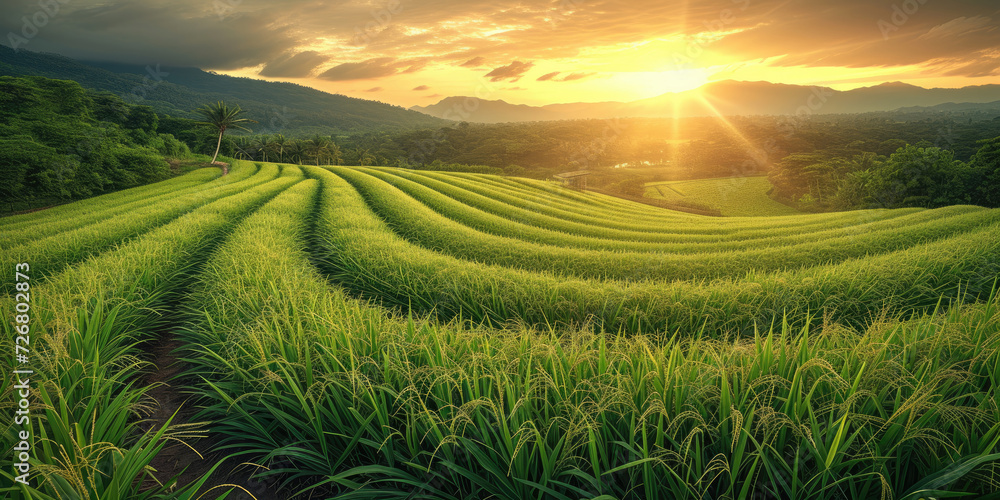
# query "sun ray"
(755, 152)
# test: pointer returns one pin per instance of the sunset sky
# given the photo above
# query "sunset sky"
(409, 52)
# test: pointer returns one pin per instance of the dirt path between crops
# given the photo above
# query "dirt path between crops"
(175, 456)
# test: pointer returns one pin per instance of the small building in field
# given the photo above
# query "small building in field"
(576, 179)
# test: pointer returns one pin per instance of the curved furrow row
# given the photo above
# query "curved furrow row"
(108, 201)
(338, 398)
(21, 233)
(880, 236)
(424, 227)
(51, 254)
(87, 325)
(366, 256)
(698, 225)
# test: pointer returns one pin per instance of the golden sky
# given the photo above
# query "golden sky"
(409, 52)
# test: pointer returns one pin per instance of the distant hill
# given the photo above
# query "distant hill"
(291, 109)
(730, 98)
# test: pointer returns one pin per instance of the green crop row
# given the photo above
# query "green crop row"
(873, 237)
(583, 219)
(88, 323)
(17, 234)
(425, 227)
(110, 200)
(365, 255)
(338, 399)
(51, 254)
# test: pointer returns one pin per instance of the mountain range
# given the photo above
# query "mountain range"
(725, 98)
(278, 107)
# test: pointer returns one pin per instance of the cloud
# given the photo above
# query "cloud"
(414, 66)
(475, 62)
(372, 68)
(957, 27)
(182, 33)
(421, 87)
(513, 71)
(576, 76)
(568, 78)
(295, 38)
(297, 66)
(375, 89)
(432, 96)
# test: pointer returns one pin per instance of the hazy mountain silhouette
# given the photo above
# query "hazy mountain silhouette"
(726, 97)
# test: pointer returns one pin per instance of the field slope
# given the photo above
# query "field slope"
(733, 196)
(363, 332)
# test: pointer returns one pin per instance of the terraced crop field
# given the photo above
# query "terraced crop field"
(385, 333)
(733, 196)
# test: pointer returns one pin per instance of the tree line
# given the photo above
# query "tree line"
(914, 175)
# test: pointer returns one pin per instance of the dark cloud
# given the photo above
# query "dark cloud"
(372, 68)
(289, 38)
(297, 66)
(474, 62)
(864, 34)
(421, 87)
(513, 71)
(548, 76)
(183, 33)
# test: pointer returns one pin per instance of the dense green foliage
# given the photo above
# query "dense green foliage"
(59, 142)
(917, 175)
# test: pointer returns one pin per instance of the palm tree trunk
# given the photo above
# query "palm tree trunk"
(225, 168)
(217, 146)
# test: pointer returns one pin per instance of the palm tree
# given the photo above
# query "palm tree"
(264, 145)
(279, 147)
(246, 148)
(222, 117)
(318, 147)
(297, 150)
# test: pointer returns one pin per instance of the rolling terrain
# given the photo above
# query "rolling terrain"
(732, 196)
(379, 332)
(291, 109)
